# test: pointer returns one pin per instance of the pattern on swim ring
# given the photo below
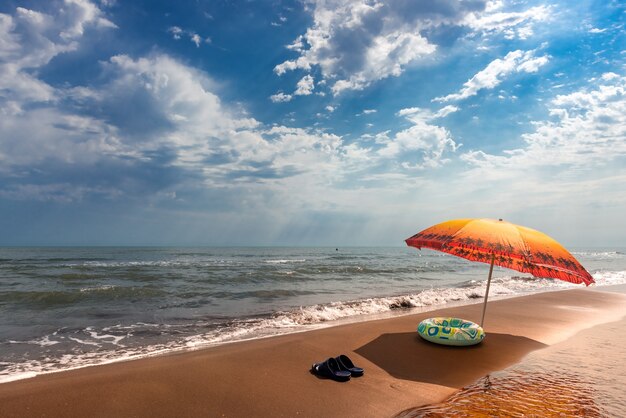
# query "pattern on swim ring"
(453, 331)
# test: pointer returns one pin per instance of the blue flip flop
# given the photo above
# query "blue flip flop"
(346, 364)
(330, 369)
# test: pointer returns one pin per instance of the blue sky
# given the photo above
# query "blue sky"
(329, 122)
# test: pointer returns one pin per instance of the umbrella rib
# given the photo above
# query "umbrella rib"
(528, 257)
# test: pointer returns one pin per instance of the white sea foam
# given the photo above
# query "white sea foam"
(608, 278)
(18, 376)
(601, 255)
(96, 289)
(44, 341)
(109, 338)
(156, 263)
(285, 261)
(79, 341)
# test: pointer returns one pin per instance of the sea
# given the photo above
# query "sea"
(63, 308)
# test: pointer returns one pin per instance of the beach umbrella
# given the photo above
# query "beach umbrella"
(504, 244)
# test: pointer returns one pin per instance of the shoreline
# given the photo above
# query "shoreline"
(270, 376)
(263, 334)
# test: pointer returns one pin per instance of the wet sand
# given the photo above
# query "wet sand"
(271, 378)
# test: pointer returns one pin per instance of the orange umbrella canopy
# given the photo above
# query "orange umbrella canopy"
(505, 244)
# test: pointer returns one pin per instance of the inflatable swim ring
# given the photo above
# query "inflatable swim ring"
(450, 331)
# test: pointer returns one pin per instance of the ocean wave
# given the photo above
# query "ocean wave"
(178, 263)
(44, 341)
(106, 345)
(286, 261)
(104, 288)
(609, 278)
(262, 294)
(92, 345)
(78, 276)
(115, 343)
(49, 299)
(601, 255)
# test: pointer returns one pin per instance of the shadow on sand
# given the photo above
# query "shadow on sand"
(409, 357)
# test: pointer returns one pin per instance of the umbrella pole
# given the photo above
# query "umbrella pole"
(482, 319)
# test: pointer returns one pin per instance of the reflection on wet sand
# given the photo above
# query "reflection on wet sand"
(517, 394)
(581, 377)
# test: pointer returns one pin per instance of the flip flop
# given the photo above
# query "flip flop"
(346, 364)
(330, 369)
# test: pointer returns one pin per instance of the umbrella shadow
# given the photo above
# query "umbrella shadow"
(407, 356)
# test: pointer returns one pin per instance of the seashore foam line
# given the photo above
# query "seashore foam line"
(270, 377)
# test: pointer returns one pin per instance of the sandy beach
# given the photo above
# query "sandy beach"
(270, 377)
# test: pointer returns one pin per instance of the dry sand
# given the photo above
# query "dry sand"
(271, 378)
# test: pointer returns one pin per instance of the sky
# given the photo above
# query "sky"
(312, 122)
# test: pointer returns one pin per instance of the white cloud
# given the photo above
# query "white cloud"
(49, 135)
(492, 75)
(421, 146)
(425, 114)
(78, 14)
(387, 56)
(512, 24)
(610, 76)
(282, 20)
(356, 42)
(195, 38)
(154, 111)
(178, 33)
(445, 111)
(418, 114)
(305, 86)
(55, 192)
(157, 113)
(30, 39)
(175, 31)
(409, 111)
(33, 128)
(280, 97)
(568, 174)
(424, 145)
(297, 45)
(587, 130)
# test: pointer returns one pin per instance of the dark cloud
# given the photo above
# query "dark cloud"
(263, 172)
(437, 11)
(220, 158)
(110, 178)
(134, 112)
